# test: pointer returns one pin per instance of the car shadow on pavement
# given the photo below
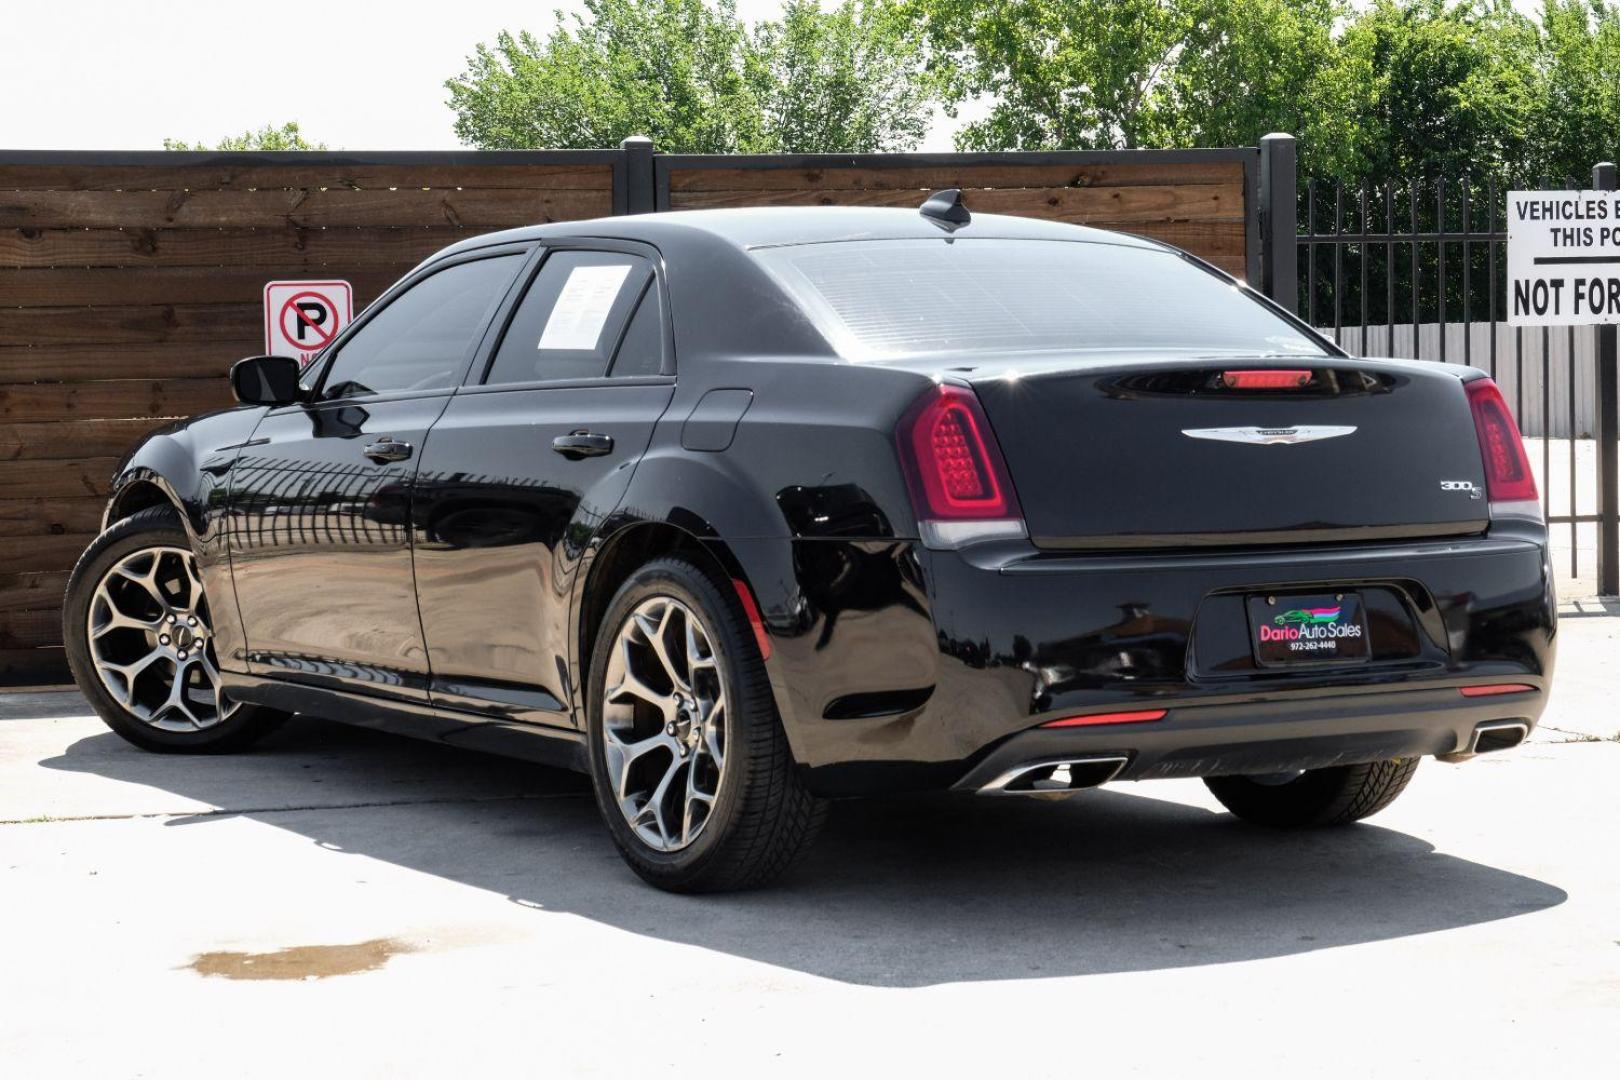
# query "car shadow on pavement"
(898, 892)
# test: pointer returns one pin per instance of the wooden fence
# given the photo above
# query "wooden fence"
(129, 282)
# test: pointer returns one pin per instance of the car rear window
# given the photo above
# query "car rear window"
(891, 299)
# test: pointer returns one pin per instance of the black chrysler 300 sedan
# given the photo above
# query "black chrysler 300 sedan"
(741, 510)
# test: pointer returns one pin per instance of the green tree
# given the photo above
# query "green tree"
(269, 137)
(694, 78)
(1102, 74)
(1245, 68)
(1059, 74)
(1419, 87)
(845, 80)
(1577, 120)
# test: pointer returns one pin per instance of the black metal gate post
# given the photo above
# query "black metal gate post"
(1279, 220)
(1608, 436)
(638, 169)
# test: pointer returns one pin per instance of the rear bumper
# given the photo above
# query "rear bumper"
(1270, 736)
(897, 667)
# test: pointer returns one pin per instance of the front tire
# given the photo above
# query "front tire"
(1316, 798)
(139, 636)
(687, 755)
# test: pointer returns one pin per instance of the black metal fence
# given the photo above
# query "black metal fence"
(1418, 269)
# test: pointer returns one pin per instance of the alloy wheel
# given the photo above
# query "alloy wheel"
(151, 641)
(664, 723)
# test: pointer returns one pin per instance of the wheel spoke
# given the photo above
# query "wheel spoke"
(655, 802)
(632, 686)
(128, 673)
(630, 753)
(176, 700)
(695, 657)
(116, 617)
(657, 639)
(695, 797)
(712, 733)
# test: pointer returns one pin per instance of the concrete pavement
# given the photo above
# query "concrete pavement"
(341, 902)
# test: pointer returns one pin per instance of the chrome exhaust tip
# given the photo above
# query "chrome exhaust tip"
(1489, 737)
(1499, 735)
(1059, 776)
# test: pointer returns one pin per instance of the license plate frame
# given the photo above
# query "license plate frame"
(1290, 630)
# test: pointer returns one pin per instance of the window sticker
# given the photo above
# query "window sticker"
(582, 307)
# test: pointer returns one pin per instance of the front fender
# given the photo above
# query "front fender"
(188, 465)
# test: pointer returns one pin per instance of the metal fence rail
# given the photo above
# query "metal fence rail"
(1417, 269)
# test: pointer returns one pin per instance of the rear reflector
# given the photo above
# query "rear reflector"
(1266, 379)
(1507, 468)
(1136, 717)
(751, 610)
(1493, 689)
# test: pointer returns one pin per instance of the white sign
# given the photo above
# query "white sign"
(582, 307)
(1563, 258)
(302, 317)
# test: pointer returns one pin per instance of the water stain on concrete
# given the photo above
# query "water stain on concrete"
(300, 962)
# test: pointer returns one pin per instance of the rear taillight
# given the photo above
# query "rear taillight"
(1509, 483)
(958, 481)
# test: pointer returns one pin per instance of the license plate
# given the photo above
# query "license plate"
(1316, 629)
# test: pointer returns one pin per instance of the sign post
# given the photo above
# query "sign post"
(302, 317)
(1608, 435)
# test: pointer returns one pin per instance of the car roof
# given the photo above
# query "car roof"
(772, 226)
(732, 306)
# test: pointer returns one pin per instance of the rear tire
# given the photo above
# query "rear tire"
(135, 620)
(1316, 798)
(688, 759)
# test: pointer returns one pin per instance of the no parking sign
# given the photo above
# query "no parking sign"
(301, 317)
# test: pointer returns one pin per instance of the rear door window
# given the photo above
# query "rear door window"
(570, 321)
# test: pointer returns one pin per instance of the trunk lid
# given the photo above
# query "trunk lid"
(1167, 453)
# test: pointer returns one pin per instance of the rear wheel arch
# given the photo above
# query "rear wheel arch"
(621, 555)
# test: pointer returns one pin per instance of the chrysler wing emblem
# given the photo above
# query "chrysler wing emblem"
(1268, 436)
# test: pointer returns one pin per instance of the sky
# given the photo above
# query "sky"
(126, 74)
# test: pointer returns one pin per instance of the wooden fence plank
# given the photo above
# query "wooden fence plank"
(932, 178)
(49, 553)
(463, 208)
(33, 591)
(51, 517)
(285, 251)
(259, 175)
(116, 325)
(1114, 205)
(114, 400)
(1206, 239)
(69, 439)
(27, 479)
(61, 287)
(138, 360)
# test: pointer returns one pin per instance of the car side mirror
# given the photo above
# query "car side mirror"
(266, 380)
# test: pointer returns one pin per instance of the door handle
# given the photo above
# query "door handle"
(386, 450)
(582, 444)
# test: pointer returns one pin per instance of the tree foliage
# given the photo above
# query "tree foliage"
(1381, 89)
(269, 137)
(697, 80)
